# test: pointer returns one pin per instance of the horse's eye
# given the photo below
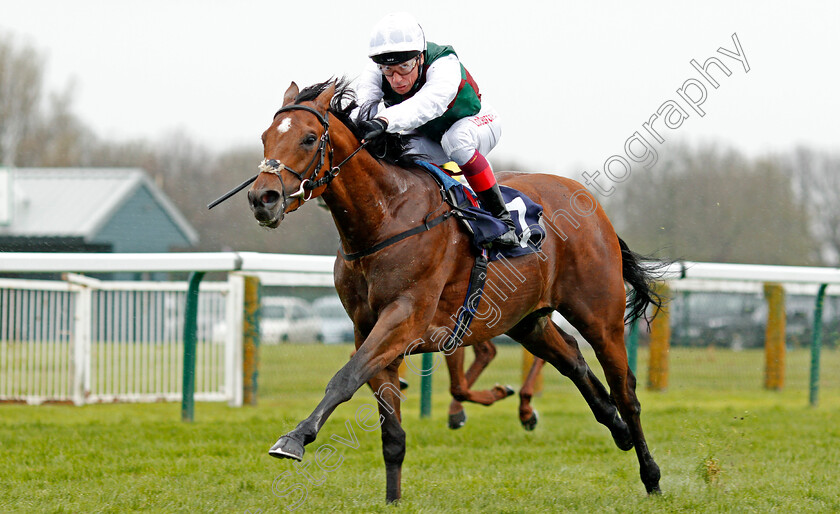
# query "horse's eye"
(309, 140)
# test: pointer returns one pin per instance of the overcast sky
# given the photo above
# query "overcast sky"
(572, 81)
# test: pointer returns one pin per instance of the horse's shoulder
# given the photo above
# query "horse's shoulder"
(403, 170)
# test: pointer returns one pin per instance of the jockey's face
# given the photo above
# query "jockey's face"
(400, 83)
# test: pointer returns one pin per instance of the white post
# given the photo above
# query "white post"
(81, 345)
(233, 338)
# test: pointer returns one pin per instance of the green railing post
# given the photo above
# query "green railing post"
(190, 336)
(816, 346)
(633, 345)
(426, 386)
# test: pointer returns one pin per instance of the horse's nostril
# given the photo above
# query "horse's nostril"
(264, 198)
(269, 197)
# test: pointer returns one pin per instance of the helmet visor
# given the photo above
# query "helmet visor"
(392, 58)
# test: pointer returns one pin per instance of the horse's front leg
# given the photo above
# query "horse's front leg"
(386, 342)
(460, 383)
(485, 352)
(457, 384)
(528, 415)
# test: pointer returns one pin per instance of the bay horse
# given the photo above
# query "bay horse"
(401, 292)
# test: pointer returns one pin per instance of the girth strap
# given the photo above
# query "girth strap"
(397, 238)
(475, 290)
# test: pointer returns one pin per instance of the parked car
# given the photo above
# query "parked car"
(336, 325)
(288, 319)
(735, 320)
(282, 319)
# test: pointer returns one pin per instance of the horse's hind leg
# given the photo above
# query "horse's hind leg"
(460, 382)
(386, 388)
(611, 353)
(542, 337)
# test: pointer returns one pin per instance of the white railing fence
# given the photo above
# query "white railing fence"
(86, 341)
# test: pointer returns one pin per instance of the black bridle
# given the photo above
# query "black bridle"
(307, 183)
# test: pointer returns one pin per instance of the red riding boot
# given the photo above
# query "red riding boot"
(480, 177)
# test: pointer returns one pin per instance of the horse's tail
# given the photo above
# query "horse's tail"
(641, 276)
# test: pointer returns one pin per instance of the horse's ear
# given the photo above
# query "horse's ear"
(290, 94)
(324, 99)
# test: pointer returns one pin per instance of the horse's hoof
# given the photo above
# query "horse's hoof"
(287, 448)
(457, 420)
(531, 423)
(651, 475)
(403, 384)
(507, 389)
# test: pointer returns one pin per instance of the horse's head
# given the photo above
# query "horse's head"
(297, 153)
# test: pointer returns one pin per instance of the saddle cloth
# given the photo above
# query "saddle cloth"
(483, 226)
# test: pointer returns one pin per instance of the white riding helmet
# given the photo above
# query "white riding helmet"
(395, 39)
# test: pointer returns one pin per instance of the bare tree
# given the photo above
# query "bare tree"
(21, 79)
(818, 182)
(58, 138)
(709, 204)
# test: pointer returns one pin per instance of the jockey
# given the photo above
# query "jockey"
(427, 92)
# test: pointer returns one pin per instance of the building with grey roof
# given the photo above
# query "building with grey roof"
(88, 210)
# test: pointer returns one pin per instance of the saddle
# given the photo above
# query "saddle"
(482, 226)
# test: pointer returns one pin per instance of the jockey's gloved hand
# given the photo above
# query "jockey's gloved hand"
(373, 129)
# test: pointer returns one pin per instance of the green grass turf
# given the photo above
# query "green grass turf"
(723, 443)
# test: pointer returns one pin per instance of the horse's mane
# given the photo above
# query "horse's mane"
(391, 148)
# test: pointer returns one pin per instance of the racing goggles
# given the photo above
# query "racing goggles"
(403, 68)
